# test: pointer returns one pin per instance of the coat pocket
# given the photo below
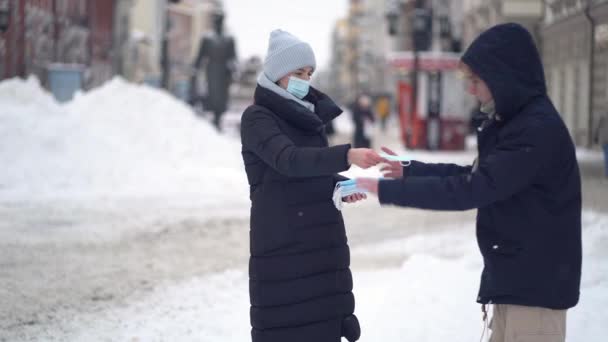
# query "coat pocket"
(308, 190)
(504, 248)
(506, 270)
(313, 215)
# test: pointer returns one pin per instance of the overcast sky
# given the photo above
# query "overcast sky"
(251, 22)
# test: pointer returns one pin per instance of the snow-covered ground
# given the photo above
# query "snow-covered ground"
(128, 171)
(429, 298)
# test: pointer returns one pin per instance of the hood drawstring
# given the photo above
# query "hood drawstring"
(484, 318)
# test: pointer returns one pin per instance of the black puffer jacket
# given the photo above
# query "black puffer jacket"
(300, 281)
(526, 183)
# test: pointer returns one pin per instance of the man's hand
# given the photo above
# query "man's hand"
(392, 169)
(364, 157)
(354, 198)
(369, 184)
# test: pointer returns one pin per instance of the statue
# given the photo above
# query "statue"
(217, 53)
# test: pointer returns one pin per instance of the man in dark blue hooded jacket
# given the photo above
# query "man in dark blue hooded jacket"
(525, 184)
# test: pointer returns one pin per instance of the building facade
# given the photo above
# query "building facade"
(189, 21)
(480, 15)
(575, 53)
(360, 45)
(372, 47)
(144, 48)
(44, 32)
(572, 36)
(341, 81)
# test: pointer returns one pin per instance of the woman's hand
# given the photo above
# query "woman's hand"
(368, 184)
(392, 169)
(354, 198)
(364, 157)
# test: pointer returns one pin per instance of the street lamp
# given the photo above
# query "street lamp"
(421, 41)
(392, 16)
(422, 27)
(5, 15)
(421, 33)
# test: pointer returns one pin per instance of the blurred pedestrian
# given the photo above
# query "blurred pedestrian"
(601, 137)
(217, 52)
(363, 118)
(383, 109)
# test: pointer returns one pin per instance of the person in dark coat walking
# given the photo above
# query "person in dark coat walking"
(300, 283)
(601, 137)
(525, 184)
(362, 116)
(217, 52)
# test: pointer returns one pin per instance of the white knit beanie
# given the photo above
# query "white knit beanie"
(286, 53)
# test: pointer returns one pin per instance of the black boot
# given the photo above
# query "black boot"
(217, 121)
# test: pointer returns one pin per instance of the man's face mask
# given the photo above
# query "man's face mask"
(298, 87)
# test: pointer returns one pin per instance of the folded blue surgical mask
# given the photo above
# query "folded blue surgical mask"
(343, 189)
(405, 161)
(298, 87)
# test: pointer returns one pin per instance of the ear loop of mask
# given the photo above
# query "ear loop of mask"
(484, 317)
(405, 161)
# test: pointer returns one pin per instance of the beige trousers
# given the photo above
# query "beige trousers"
(515, 323)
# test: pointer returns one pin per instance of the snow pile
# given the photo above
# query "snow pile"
(117, 141)
(17, 95)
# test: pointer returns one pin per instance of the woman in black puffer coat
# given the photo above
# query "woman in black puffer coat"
(300, 282)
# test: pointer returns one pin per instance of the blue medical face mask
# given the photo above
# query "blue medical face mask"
(298, 87)
(405, 161)
(349, 187)
(343, 189)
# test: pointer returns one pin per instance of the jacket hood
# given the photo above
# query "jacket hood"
(507, 60)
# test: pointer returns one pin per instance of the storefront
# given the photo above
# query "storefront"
(41, 32)
(440, 117)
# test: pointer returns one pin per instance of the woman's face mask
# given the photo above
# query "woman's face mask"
(298, 87)
(297, 83)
